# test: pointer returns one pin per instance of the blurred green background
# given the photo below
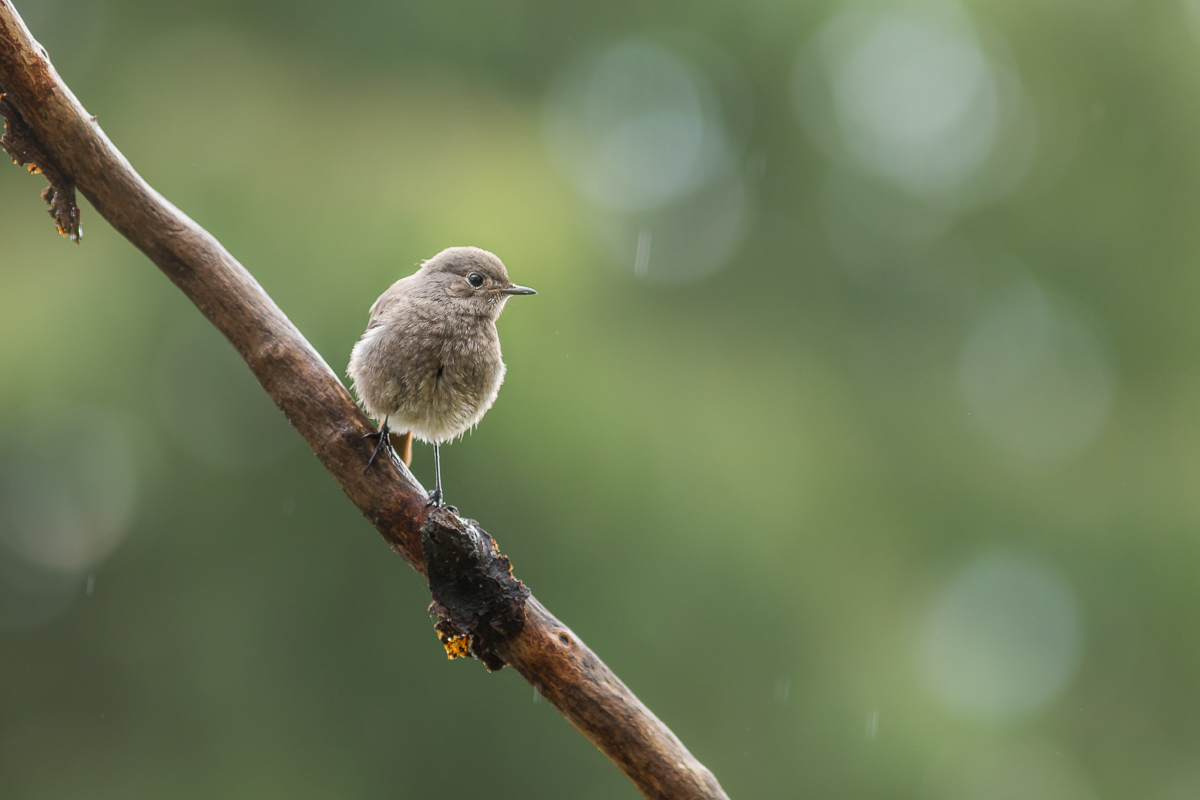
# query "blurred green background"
(855, 424)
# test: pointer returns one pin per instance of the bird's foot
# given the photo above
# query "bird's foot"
(442, 504)
(385, 444)
(435, 499)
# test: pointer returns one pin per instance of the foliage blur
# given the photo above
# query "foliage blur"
(856, 423)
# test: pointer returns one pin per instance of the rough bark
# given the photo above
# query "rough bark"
(482, 609)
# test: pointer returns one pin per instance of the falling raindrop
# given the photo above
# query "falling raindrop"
(645, 132)
(62, 511)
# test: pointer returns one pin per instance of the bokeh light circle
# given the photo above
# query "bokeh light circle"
(914, 97)
(649, 131)
(636, 126)
(1002, 638)
(1035, 376)
(66, 503)
(907, 92)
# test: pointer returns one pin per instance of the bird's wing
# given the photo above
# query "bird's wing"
(374, 321)
(384, 301)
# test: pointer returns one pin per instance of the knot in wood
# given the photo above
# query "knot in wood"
(478, 602)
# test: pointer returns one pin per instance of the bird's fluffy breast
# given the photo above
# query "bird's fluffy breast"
(425, 374)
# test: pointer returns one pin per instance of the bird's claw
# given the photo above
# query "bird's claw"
(385, 444)
(435, 499)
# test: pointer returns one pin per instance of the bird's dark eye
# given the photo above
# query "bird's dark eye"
(475, 279)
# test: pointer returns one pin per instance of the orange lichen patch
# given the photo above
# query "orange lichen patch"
(456, 642)
(457, 647)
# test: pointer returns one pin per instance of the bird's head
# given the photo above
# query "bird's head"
(474, 280)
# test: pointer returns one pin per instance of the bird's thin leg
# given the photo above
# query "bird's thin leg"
(435, 497)
(385, 442)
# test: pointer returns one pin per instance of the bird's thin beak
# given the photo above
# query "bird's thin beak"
(514, 289)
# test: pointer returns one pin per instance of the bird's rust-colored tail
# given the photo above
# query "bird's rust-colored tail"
(402, 443)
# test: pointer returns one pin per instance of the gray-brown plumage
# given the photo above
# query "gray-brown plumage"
(429, 361)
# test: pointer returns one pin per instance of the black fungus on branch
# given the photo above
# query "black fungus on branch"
(478, 602)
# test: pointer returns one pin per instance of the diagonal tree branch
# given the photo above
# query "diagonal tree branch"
(482, 608)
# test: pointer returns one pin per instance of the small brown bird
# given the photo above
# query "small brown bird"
(429, 361)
